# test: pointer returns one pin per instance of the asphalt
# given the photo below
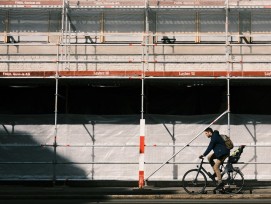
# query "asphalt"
(117, 190)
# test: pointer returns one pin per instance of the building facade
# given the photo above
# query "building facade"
(76, 67)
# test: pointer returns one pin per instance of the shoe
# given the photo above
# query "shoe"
(220, 186)
(211, 176)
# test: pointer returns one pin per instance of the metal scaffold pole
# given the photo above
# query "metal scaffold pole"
(55, 132)
(61, 40)
(145, 59)
(228, 67)
(66, 32)
(56, 95)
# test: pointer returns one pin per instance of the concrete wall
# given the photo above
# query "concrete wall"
(167, 58)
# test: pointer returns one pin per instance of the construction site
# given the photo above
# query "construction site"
(123, 90)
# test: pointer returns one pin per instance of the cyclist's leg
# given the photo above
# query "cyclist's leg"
(211, 158)
(217, 170)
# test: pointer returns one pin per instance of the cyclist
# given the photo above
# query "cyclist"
(220, 153)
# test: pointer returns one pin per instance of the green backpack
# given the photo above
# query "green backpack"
(227, 140)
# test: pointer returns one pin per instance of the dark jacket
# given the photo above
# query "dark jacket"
(217, 144)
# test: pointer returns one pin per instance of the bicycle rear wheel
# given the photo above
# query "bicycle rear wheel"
(194, 181)
(233, 180)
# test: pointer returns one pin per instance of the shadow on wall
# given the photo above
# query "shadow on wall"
(28, 152)
(27, 141)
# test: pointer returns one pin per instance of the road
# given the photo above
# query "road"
(18, 194)
(135, 201)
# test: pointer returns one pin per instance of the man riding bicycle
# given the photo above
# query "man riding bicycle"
(220, 153)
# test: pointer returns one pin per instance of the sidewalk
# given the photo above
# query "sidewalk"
(60, 191)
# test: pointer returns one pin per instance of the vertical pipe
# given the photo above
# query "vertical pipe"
(141, 154)
(197, 27)
(6, 27)
(239, 27)
(7, 24)
(142, 81)
(228, 102)
(49, 26)
(56, 99)
(69, 46)
(93, 149)
(55, 132)
(255, 149)
(155, 31)
(62, 31)
(66, 32)
(227, 45)
(227, 61)
(145, 56)
(147, 35)
(142, 91)
(102, 28)
(56, 111)
(175, 166)
(250, 27)
(142, 120)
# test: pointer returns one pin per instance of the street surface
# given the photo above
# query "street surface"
(135, 201)
(80, 194)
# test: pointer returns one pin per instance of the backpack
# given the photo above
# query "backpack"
(227, 140)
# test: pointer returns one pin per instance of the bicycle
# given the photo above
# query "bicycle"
(195, 180)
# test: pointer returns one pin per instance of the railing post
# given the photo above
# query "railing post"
(141, 154)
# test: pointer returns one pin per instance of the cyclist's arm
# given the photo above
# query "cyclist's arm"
(210, 147)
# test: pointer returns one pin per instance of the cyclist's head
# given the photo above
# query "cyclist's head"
(208, 132)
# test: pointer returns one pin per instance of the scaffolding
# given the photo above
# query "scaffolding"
(78, 33)
(154, 48)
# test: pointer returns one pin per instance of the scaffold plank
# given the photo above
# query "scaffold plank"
(32, 3)
(137, 74)
(137, 3)
(107, 4)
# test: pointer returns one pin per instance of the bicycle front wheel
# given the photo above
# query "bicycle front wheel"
(234, 181)
(194, 181)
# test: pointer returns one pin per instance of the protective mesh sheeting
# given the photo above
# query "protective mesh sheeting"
(107, 147)
(30, 24)
(121, 25)
(83, 20)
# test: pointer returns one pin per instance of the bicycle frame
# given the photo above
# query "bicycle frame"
(201, 168)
